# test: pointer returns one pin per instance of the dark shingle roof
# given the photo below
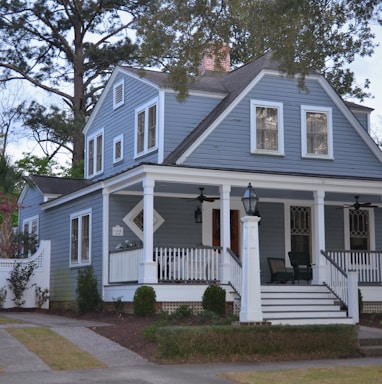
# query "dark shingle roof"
(52, 185)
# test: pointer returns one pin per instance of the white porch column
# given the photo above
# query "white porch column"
(105, 239)
(225, 231)
(251, 287)
(319, 268)
(148, 268)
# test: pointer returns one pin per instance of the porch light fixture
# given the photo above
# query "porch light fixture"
(198, 215)
(250, 200)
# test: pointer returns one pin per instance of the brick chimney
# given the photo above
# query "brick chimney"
(215, 62)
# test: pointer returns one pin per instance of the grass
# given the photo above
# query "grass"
(335, 375)
(7, 320)
(56, 351)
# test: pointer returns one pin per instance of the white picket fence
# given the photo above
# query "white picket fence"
(40, 278)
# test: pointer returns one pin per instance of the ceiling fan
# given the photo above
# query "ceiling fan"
(357, 205)
(202, 198)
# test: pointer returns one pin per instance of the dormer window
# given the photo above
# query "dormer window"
(95, 154)
(118, 94)
(316, 131)
(146, 128)
(267, 127)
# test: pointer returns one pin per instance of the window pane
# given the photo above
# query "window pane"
(74, 241)
(152, 126)
(300, 219)
(317, 133)
(141, 132)
(266, 128)
(85, 239)
(99, 154)
(359, 229)
(91, 157)
(118, 150)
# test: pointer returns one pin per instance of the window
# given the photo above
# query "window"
(267, 127)
(95, 154)
(118, 149)
(80, 238)
(359, 229)
(118, 94)
(146, 128)
(30, 243)
(316, 132)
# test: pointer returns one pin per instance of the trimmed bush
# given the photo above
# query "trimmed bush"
(214, 300)
(144, 301)
(88, 297)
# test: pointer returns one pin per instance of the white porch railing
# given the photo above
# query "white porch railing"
(124, 265)
(181, 264)
(235, 273)
(367, 264)
(187, 264)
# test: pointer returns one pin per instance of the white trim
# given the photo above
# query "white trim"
(161, 127)
(145, 108)
(117, 139)
(371, 228)
(129, 220)
(78, 215)
(118, 84)
(280, 127)
(94, 137)
(304, 146)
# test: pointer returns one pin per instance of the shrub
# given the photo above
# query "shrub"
(118, 304)
(88, 297)
(3, 296)
(214, 299)
(19, 279)
(144, 301)
(42, 295)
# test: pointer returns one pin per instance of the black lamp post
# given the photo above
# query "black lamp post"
(250, 200)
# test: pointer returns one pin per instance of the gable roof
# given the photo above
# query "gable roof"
(52, 185)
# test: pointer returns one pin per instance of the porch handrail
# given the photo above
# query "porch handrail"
(368, 264)
(337, 279)
(236, 272)
(188, 264)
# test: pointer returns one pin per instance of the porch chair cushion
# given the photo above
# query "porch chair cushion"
(279, 273)
(302, 267)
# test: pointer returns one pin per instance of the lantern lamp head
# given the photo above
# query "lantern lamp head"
(250, 200)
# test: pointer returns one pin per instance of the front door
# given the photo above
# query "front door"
(234, 225)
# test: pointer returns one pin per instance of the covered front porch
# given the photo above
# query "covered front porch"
(151, 235)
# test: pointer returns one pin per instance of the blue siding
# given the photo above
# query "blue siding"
(30, 206)
(334, 227)
(55, 226)
(363, 119)
(229, 145)
(182, 117)
(122, 121)
(271, 236)
(177, 229)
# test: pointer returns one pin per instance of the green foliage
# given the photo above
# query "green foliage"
(42, 296)
(88, 297)
(3, 296)
(18, 280)
(214, 299)
(144, 301)
(254, 342)
(305, 36)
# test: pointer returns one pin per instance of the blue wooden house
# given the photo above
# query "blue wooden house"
(160, 204)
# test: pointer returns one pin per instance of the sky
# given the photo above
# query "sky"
(368, 67)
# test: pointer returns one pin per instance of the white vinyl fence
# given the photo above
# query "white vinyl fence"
(40, 278)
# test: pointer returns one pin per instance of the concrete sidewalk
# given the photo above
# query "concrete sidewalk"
(124, 366)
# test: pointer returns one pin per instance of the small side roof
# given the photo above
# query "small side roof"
(52, 185)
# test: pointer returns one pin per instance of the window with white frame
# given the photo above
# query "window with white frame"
(267, 127)
(30, 242)
(316, 131)
(146, 128)
(117, 148)
(95, 154)
(359, 229)
(118, 94)
(80, 238)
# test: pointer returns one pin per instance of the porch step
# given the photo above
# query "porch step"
(371, 347)
(301, 305)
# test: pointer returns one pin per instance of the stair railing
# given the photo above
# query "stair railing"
(344, 285)
(235, 272)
